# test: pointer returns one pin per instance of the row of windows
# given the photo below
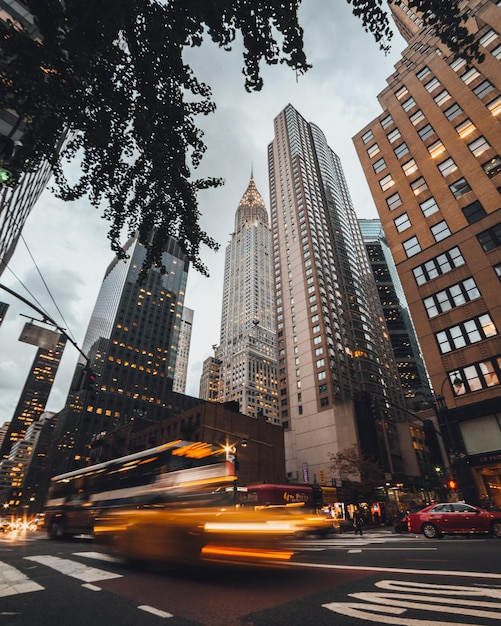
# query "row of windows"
(477, 376)
(466, 333)
(473, 212)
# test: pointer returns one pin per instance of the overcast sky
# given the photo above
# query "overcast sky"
(68, 240)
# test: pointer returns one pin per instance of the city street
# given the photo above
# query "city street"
(380, 578)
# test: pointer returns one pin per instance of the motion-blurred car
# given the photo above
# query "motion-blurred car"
(401, 525)
(194, 535)
(445, 518)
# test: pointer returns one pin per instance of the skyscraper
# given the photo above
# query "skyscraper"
(183, 351)
(246, 355)
(410, 364)
(337, 379)
(35, 394)
(432, 161)
(131, 343)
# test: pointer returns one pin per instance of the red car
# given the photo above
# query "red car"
(445, 518)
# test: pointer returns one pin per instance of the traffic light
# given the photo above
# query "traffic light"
(87, 380)
(7, 173)
(452, 484)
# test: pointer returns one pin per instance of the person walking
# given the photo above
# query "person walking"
(358, 521)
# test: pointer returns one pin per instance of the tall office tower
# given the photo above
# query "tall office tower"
(131, 343)
(432, 161)
(338, 382)
(247, 350)
(209, 379)
(34, 395)
(183, 351)
(16, 202)
(410, 364)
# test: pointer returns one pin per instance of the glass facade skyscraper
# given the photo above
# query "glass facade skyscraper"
(131, 344)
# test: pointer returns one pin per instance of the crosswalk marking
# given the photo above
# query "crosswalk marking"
(99, 556)
(73, 568)
(12, 581)
(153, 611)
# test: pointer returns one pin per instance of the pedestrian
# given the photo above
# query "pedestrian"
(358, 521)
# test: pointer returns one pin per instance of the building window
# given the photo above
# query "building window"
(379, 165)
(408, 104)
(453, 111)
(488, 38)
(431, 85)
(451, 297)
(393, 135)
(410, 167)
(394, 201)
(490, 238)
(436, 149)
(441, 264)
(440, 231)
(483, 89)
(417, 117)
(459, 187)
(428, 207)
(366, 137)
(418, 186)
(402, 222)
(401, 150)
(495, 106)
(386, 182)
(457, 64)
(442, 97)
(426, 131)
(373, 150)
(387, 121)
(466, 333)
(423, 73)
(411, 246)
(470, 75)
(497, 270)
(400, 93)
(478, 376)
(447, 167)
(496, 53)
(321, 375)
(492, 166)
(465, 128)
(474, 212)
(324, 401)
(479, 146)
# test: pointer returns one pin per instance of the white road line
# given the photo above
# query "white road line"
(91, 587)
(397, 570)
(12, 581)
(157, 612)
(73, 568)
(99, 556)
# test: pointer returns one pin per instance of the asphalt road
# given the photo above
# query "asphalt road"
(380, 578)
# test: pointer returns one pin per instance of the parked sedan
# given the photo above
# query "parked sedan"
(437, 520)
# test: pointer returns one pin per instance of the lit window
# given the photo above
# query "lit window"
(447, 167)
(495, 106)
(492, 166)
(386, 182)
(465, 128)
(418, 186)
(479, 146)
(470, 75)
(403, 91)
(373, 150)
(417, 117)
(410, 167)
(436, 149)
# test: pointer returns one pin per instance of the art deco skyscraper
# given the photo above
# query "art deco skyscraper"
(432, 161)
(337, 379)
(246, 355)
